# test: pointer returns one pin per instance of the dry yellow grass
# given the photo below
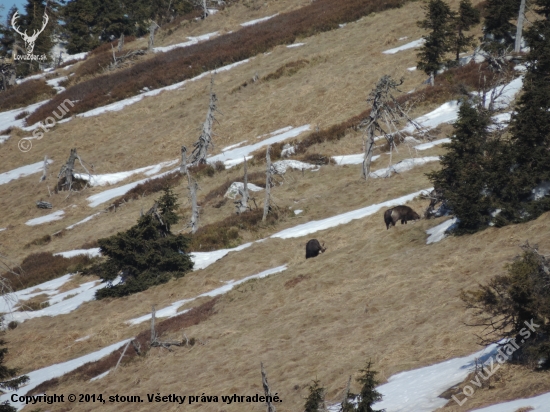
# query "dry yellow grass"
(377, 294)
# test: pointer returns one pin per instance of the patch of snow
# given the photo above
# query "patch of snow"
(45, 219)
(540, 191)
(403, 166)
(113, 178)
(105, 196)
(202, 260)
(520, 68)
(288, 150)
(233, 146)
(298, 211)
(4, 138)
(82, 339)
(77, 56)
(61, 303)
(342, 25)
(253, 22)
(446, 113)
(403, 38)
(290, 46)
(87, 219)
(49, 288)
(429, 145)
(235, 156)
(409, 140)
(411, 69)
(282, 165)
(411, 45)
(192, 41)
(54, 371)
(354, 159)
(102, 375)
(437, 233)
(55, 83)
(171, 310)
(8, 119)
(237, 187)
(2, 229)
(94, 252)
(538, 403)
(317, 225)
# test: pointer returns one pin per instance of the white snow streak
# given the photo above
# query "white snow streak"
(411, 45)
(253, 22)
(437, 233)
(192, 41)
(46, 219)
(403, 166)
(41, 375)
(94, 252)
(171, 310)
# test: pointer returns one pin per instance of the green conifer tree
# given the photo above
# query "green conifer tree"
(462, 178)
(147, 254)
(81, 26)
(316, 399)
(7, 35)
(527, 163)
(437, 42)
(465, 19)
(368, 395)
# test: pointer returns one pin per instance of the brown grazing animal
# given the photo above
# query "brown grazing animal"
(313, 247)
(402, 213)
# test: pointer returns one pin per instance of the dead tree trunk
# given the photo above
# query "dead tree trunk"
(45, 170)
(267, 391)
(153, 332)
(345, 401)
(121, 42)
(205, 140)
(183, 166)
(152, 29)
(385, 110)
(519, 30)
(65, 176)
(267, 184)
(194, 223)
(242, 204)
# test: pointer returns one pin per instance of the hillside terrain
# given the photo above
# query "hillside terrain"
(378, 294)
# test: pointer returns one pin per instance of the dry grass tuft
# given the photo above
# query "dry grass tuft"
(40, 267)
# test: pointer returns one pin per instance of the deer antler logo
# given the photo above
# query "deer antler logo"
(29, 40)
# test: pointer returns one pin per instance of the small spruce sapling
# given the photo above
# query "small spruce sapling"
(316, 400)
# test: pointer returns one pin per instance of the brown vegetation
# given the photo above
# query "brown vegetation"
(225, 234)
(24, 94)
(40, 267)
(149, 187)
(184, 63)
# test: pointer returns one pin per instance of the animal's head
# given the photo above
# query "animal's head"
(29, 40)
(416, 216)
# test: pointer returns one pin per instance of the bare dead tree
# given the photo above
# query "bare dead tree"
(155, 342)
(268, 178)
(152, 27)
(205, 139)
(66, 175)
(242, 203)
(519, 29)
(267, 391)
(345, 400)
(45, 169)
(385, 118)
(120, 61)
(183, 166)
(121, 42)
(193, 186)
(123, 353)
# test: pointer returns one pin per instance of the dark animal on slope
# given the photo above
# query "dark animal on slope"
(402, 213)
(313, 247)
